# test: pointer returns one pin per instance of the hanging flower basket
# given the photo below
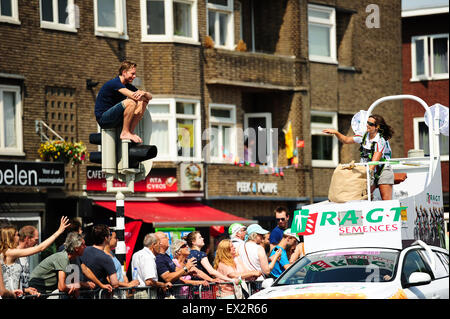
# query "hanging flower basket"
(63, 151)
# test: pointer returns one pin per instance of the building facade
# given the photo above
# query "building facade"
(425, 74)
(218, 70)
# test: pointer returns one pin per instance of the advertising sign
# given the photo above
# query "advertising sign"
(32, 174)
(164, 180)
(191, 175)
(367, 224)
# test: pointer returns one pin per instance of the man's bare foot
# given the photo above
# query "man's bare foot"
(132, 137)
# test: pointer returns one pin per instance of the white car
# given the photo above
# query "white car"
(418, 271)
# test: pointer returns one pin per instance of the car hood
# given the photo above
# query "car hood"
(366, 290)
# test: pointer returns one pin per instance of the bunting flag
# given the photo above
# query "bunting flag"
(289, 141)
(131, 235)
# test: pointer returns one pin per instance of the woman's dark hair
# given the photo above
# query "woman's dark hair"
(190, 238)
(99, 233)
(385, 130)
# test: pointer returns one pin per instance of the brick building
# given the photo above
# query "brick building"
(425, 74)
(313, 64)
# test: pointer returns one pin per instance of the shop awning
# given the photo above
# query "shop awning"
(164, 214)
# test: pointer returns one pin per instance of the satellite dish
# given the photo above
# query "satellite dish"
(443, 117)
(359, 122)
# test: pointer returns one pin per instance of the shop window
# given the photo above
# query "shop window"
(222, 134)
(422, 142)
(220, 23)
(110, 18)
(324, 147)
(175, 129)
(322, 33)
(58, 14)
(169, 20)
(9, 11)
(429, 57)
(11, 142)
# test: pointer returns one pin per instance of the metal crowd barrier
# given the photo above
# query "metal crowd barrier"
(225, 290)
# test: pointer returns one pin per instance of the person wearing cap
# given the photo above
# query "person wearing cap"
(289, 239)
(237, 233)
(253, 254)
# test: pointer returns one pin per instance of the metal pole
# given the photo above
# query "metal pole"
(120, 227)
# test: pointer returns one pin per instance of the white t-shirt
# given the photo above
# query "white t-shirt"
(143, 266)
(251, 258)
(381, 145)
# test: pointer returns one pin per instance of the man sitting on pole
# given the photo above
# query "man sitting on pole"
(119, 103)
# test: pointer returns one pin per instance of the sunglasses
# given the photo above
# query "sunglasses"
(371, 124)
(280, 219)
(183, 246)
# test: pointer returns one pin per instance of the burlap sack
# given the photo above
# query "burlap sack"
(348, 183)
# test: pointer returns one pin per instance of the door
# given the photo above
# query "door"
(259, 138)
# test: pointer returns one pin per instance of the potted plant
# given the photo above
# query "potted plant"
(66, 152)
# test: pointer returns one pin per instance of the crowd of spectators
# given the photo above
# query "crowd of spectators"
(247, 255)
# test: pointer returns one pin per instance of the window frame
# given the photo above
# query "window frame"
(55, 25)
(316, 129)
(18, 150)
(229, 10)
(222, 122)
(269, 146)
(172, 118)
(428, 58)
(118, 32)
(14, 18)
(169, 35)
(416, 121)
(331, 23)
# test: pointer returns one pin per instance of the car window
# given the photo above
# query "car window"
(413, 263)
(341, 266)
(441, 265)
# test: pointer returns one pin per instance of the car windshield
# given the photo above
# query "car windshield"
(342, 266)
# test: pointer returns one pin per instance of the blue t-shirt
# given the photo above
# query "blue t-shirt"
(165, 264)
(198, 255)
(279, 265)
(98, 262)
(276, 235)
(109, 95)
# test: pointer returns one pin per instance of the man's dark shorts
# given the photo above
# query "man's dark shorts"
(112, 117)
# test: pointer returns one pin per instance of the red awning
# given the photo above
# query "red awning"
(176, 214)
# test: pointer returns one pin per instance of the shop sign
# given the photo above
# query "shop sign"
(32, 174)
(191, 176)
(157, 181)
(256, 187)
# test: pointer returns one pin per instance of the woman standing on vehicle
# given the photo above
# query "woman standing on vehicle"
(374, 146)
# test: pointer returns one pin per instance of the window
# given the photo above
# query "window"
(260, 137)
(222, 138)
(413, 263)
(422, 142)
(322, 33)
(58, 14)
(110, 18)
(9, 11)
(429, 56)
(175, 129)
(169, 20)
(220, 23)
(324, 147)
(10, 121)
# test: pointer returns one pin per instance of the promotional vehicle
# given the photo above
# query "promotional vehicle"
(374, 248)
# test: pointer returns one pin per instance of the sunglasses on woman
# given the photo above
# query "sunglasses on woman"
(371, 124)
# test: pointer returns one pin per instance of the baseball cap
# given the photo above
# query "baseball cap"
(288, 232)
(255, 228)
(234, 228)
